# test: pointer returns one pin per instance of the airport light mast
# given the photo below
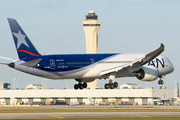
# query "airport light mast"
(91, 26)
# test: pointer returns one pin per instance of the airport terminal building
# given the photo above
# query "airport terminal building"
(87, 96)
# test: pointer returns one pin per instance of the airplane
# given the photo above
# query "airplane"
(87, 67)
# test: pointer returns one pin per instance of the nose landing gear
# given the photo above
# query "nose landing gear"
(160, 82)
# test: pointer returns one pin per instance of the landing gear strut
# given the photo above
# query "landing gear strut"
(160, 82)
(111, 85)
(80, 86)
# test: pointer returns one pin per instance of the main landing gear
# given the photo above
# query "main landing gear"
(80, 86)
(111, 85)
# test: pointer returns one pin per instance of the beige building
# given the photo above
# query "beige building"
(130, 86)
(35, 86)
(91, 28)
(1, 85)
(141, 96)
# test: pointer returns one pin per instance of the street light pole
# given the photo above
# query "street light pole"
(14, 83)
(1, 76)
(17, 83)
(66, 83)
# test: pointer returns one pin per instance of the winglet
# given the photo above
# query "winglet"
(152, 55)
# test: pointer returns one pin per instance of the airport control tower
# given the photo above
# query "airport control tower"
(91, 26)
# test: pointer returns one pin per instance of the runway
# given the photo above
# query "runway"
(87, 115)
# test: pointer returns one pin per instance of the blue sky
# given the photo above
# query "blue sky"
(55, 26)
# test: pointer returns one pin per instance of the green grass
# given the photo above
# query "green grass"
(82, 110)
(137, 118)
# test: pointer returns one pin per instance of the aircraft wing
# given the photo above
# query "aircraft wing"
(139, 62)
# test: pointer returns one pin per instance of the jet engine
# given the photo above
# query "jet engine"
(148, 73)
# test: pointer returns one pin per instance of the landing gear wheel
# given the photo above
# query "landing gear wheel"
(76, 86)
(111, 86)
(84, 85)
(80, 86)
(160, 82)
(106, 86)
(115, 84)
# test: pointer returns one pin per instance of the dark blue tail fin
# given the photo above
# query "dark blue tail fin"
(25, 48)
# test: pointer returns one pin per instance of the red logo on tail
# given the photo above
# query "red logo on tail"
(28, 52)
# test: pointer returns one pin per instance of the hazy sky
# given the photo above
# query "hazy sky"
(55, 26)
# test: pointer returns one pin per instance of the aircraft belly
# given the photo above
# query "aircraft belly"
(93, 72)
(88, 80)
(76, 75)
(52, 74)
(37, 72)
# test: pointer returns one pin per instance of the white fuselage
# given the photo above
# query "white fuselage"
(92, 71)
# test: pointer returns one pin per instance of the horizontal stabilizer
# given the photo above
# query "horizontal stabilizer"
(32, 63)
(4, 63)
(8, 58)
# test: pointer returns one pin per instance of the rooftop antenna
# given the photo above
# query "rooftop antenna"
(167, 81)
(66, 83)
(17, 82)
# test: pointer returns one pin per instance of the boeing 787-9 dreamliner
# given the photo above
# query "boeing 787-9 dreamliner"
(87, 67)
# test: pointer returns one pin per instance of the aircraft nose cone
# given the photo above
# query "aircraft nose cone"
(171, 67)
